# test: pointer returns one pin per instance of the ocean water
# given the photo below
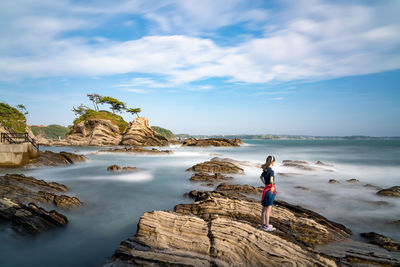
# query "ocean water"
(114, 202)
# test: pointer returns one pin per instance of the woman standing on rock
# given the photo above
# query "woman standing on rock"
(268, 197)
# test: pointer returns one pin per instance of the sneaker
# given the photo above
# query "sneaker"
(264, 227)
(270, 228)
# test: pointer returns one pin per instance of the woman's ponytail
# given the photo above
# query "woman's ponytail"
(268, 162)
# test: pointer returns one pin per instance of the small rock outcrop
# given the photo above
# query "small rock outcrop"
(29, 219)
(137, 150)
(382, 241)
(333, 181)
(217, 165)
(299, 164)
(205, 177)
(212, 142)
(117, 168)
(390, 192)
(49, 158)
(139, 133)
(353, 181)
(21, 188)
(245, 189)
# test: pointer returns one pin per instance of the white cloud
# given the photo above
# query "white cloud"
(137, 91)
(309, 40)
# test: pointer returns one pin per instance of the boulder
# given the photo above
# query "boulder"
(212, 142)
(390, 192)
(94, 132)
(139, 133)
(49, 158)
(353, 181)
(382, 241)
(205, 177)
(333, 181)
(29, 219)
(216, 165)
(116, 168)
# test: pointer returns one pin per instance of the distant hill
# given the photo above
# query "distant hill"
(289, 137)
(52, 131)
(164, 132)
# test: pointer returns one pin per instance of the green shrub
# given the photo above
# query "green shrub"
(12, 118)
(104, 115)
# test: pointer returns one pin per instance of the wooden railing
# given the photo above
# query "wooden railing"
(18, 138)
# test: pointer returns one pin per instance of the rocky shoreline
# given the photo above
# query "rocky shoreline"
(222, 228)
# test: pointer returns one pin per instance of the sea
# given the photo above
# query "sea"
(114, 202)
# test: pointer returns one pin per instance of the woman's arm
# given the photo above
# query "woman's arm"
(272, 184)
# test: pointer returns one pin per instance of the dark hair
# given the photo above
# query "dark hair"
(268, 162)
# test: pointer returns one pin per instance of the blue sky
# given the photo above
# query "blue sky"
(209, 67)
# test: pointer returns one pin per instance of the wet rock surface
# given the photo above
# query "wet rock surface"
(333, 181)
(117, 168)
(217, 165)
(29, 219)
(21, 188)
(137, 150)
(238, 188)
(49, 158)
(206, 177)
(382, 241)
(222, 228)
(353, 181)
(390, 192)
(212, 142)
(139, 133)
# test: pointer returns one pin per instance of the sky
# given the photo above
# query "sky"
(307, 67)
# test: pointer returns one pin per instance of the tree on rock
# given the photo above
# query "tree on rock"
(95, 98)
(80, 110)
(134, 111)
(22, 109)
(116, 105)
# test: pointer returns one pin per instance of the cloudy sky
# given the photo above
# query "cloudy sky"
(211, 66)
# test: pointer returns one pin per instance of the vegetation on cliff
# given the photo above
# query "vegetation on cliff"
(164, 132)
(12, 118)
(103, 115)
(52, 131)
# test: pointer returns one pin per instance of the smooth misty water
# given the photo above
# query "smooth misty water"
(113, 203)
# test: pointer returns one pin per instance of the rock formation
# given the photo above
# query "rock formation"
(212, 142)
(205, 177)
(382, 241)
(333, 181)
(222, 231)
(390, 192)
(139, 133)
(217, 165)
(94, 132)
(303, 165)
(116, 168)
(29, 219)
(353, 180)
(136, 150)
(49, 158)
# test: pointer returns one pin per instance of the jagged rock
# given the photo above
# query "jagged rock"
(94, 132)
(333, 181)
(353, 181)
(246, 189)
(297, 164)
(115, 168)
(390, 192)
(29, 219)
(137, 150)
(382, 241)
(225, 232)
(24, 189)
(212, 142)
(205, 177)
(139, 133)
(49, 158)
(216, 166)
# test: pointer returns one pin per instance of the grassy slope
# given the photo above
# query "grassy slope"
(164, 132)
(12, 118)
(52, 131)
(105, 115)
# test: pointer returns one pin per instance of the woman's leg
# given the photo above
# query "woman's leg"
(267, 214)
(263, 215)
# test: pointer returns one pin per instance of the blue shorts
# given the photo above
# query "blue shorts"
(268, 199)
